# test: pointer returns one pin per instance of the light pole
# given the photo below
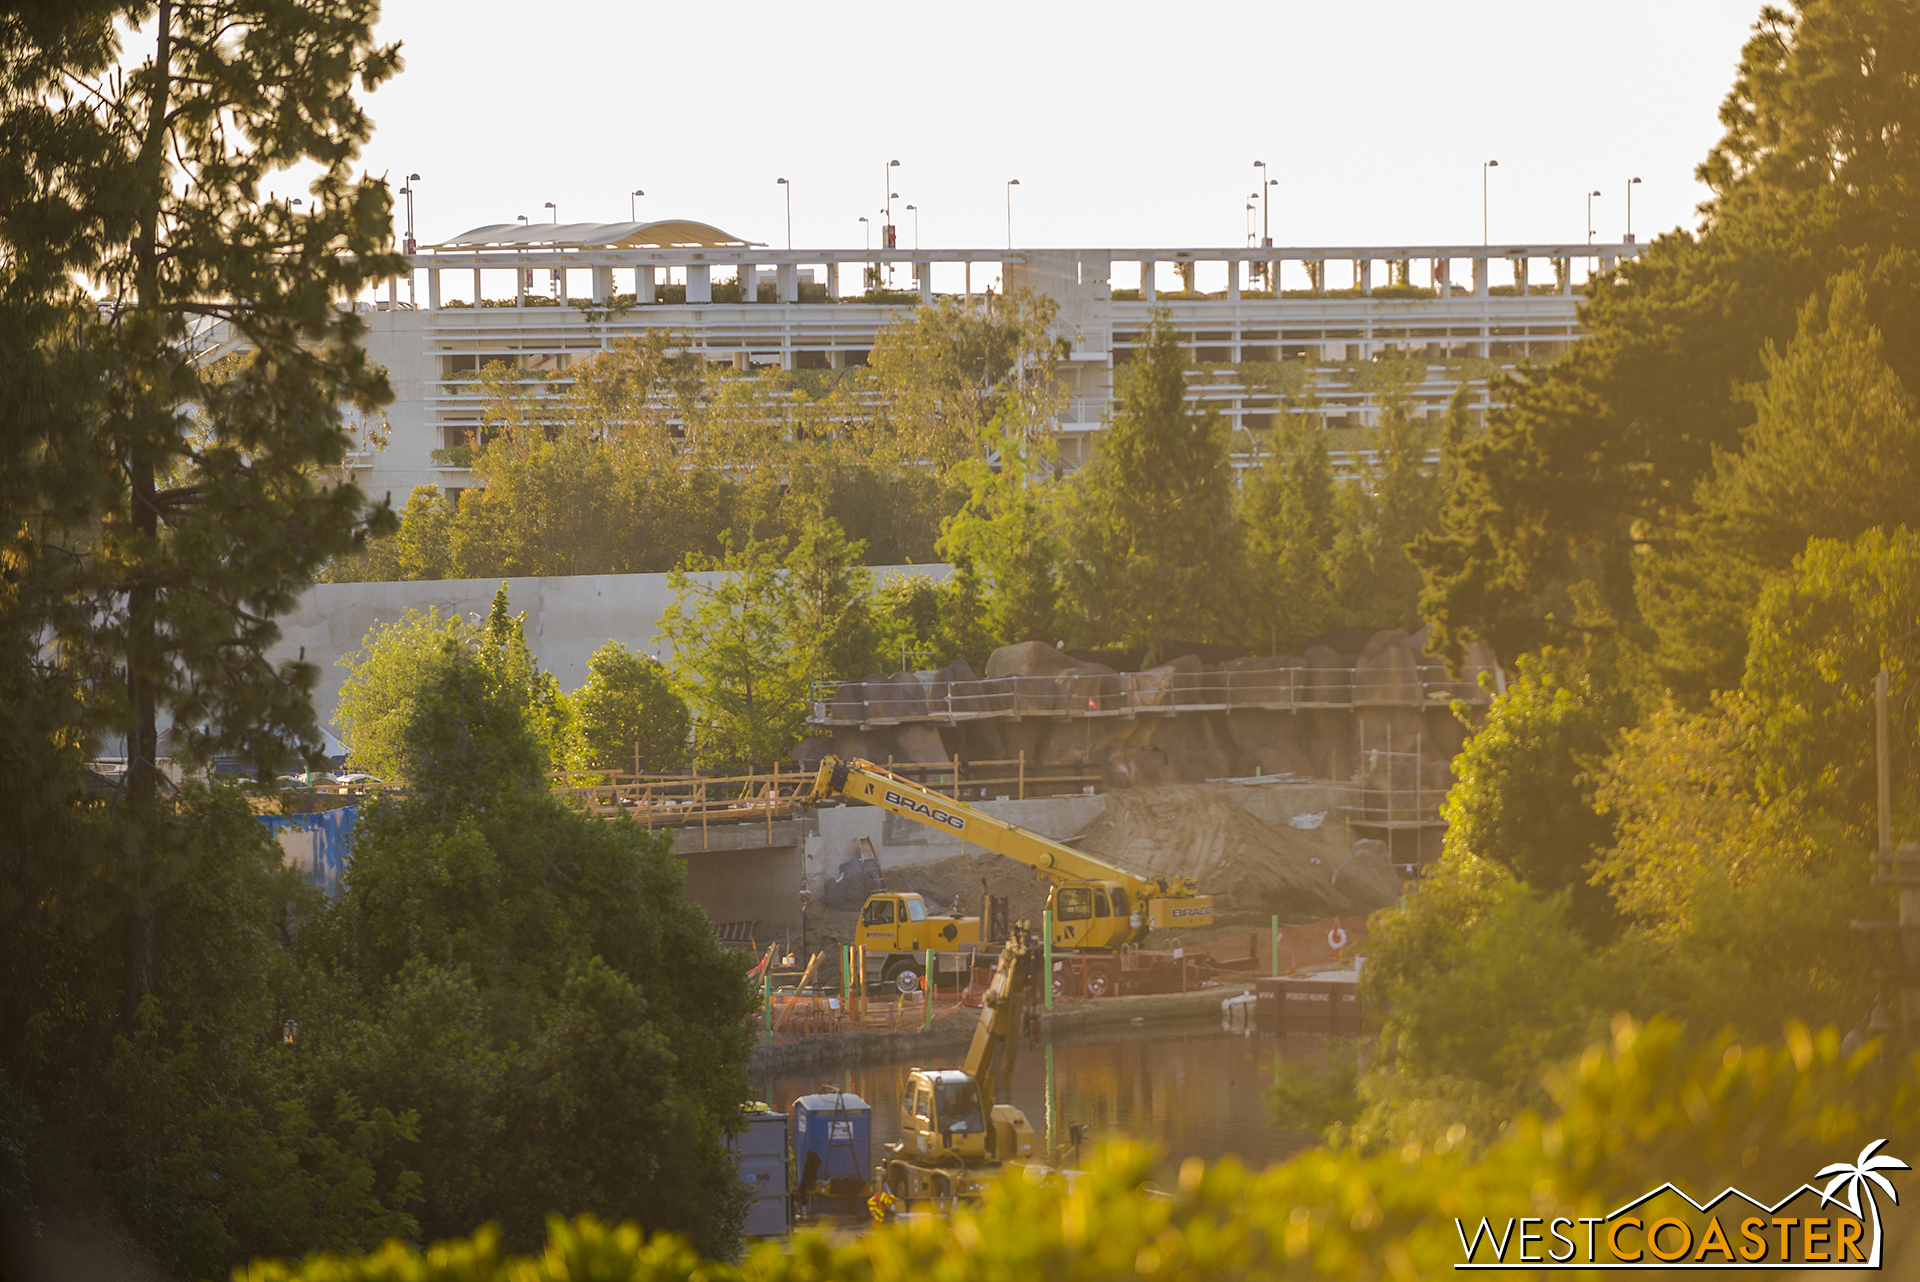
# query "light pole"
(1630, 186)
(556, 212)
(1590, 196)
(411, 246)
(887, 239)
(1491, 164)
(633, 208)
(1248, 217)
(915, 211)
(781, 182)
(1266, 205)
(866, 232)
(1011, 184)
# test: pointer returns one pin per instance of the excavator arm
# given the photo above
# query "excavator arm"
(864, 781)
(996, 1039)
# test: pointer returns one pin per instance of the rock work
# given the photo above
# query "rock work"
(1379, 719)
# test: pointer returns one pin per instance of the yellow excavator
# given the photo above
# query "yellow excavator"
(1096, 907)
(955, 1134)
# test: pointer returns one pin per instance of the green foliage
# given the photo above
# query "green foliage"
(1288, 509)
(1524, 800)
(1820, 634)
(747, 691)
(1640, 1107)
(529, 982)
(1609, 446)
(1828, 405)
(628, 710)
(1151, 520)
(451, 706)
(1395, 499)
(1006, 532)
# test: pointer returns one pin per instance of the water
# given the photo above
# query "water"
(1194, 1090)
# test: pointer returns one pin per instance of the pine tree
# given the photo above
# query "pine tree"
(1287, 510)
(173, 509)
(1151, 541)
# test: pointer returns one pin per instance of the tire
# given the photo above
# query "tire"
(1100, 982)
(904, 976)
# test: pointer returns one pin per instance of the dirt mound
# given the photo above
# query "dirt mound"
(1251, 867)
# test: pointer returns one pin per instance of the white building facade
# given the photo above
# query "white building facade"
(550, 295)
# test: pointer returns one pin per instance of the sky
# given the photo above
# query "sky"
(1127, 124)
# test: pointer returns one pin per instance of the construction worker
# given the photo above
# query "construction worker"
(880, 1205)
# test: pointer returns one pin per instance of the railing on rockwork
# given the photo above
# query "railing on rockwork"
(907, 697)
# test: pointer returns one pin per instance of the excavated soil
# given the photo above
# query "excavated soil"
(1254, 869)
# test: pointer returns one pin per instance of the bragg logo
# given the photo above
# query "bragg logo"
(954, 822)
(1178, 913)
(1665, 1228)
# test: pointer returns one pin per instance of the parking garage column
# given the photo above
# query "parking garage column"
(699, 283)
(1233, 280)
(924, 271)
(1482, 276)
(476, 287)
(789, 283)
(1363, 275)
(1146, 281)
(643, 285)
(433, 289)
(1520, 274)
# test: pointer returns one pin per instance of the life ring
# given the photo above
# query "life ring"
(1336, 939)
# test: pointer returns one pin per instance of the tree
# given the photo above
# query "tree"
(1593, 457)
(1149, 527)
(629, 715)
(437, 701)
(954, 367)
(1287, 508)
(207, 500)
(1834, 451)
(1395, 501)
(1005, 532)
(1524, 800)
(731, 661)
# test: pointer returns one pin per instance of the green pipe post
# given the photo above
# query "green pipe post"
(1276, 946)
(767, 989)
(928, 1021)
(1046, 955)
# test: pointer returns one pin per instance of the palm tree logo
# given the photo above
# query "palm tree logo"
(1863, 1173)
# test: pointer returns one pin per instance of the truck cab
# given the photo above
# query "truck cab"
(897, 928)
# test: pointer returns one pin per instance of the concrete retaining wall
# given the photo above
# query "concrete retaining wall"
(902, 843)
(568, 618)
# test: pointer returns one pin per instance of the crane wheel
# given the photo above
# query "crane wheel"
(1100, 982)
(905, 976)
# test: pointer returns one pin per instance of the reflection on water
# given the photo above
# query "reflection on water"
(1193, 1091)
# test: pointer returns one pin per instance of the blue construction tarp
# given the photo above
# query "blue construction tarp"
(316, 843)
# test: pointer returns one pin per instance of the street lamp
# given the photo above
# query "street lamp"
(1011, 184)
(866, 232)
(633, 215)
(915, 211)
(892, 195)
(1491, 164)
(781, 182)
(1249, 219)
(556, 212)
(1266, 204)
(1590, 196)
(411, 246)
(1630, 185)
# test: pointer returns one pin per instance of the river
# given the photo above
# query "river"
(1191, 1090)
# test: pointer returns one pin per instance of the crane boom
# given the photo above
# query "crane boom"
(1170, 900)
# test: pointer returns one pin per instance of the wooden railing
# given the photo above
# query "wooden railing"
(696, 800)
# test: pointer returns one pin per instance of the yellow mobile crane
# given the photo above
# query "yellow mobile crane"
(955, 1135)
(1096, 906)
